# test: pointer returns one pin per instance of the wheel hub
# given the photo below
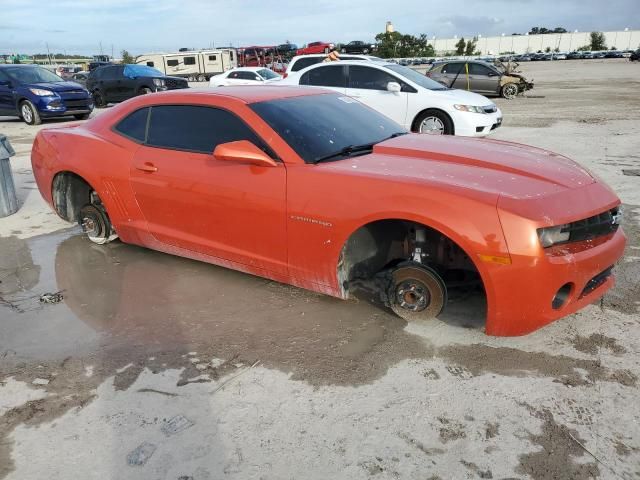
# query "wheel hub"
(432, 126)
(417, 292)
(412, 295)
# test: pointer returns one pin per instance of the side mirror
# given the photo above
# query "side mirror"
(393, 87)
(243, 151)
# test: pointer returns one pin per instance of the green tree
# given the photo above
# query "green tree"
(470, 49)
(598, 41)
(460, 46)
(548, 49)
(127, 57)
(395, 44)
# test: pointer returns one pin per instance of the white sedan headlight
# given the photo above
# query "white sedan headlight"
(469, 108)
(41, 92)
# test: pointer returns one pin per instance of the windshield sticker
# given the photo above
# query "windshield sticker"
(347, 99)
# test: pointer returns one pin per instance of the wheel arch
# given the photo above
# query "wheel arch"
(347, 262)
(69, 193)
(414, 122)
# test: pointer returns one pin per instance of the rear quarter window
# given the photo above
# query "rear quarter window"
(134, 125)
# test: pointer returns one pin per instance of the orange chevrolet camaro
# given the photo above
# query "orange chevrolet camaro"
(314, 189)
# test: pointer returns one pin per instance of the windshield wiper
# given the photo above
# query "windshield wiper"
(347, 152)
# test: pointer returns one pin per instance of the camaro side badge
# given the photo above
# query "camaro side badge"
(311, 220)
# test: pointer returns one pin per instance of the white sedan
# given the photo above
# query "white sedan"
(411, 99)
(245, 76)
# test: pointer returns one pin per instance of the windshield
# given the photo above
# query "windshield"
(316, 126)
(416, 77)
(133, 71)
(268, 74)
(31, 75)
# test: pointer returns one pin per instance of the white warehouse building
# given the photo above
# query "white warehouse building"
(564, 42)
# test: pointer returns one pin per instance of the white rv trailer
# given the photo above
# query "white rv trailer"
(194, 65)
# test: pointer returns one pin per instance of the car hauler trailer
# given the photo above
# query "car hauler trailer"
(194, 65)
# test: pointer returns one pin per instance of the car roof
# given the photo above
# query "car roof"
(244, 93)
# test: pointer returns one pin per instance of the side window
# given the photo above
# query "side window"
(134, 125)
(231, 55)
(246, 76)
(477, 69)
(172, 63)
(196, 129)
(453, 68)
(326, 76)
(111, 73)
(150, 64)
(304, 63)
(437, 69)
(212, 58)
(369, 78)
(189, 60)
(234, 75)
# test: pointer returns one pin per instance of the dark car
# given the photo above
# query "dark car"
(484, 78)
(80, 77)
(357, 46)
(635, 56)
(116, 83)
(34, 93)
(94, 65)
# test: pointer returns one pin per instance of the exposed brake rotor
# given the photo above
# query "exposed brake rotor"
(417, 293)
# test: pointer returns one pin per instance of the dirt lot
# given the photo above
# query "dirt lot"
(157, 367)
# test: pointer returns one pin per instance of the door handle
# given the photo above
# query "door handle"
(147, 167)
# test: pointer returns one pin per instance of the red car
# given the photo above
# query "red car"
(314, 189)
(315, 47)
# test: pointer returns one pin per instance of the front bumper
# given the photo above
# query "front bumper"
(524, 291)
(520, 295)
(476, 124)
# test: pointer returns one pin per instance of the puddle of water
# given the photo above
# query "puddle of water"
(124, 298)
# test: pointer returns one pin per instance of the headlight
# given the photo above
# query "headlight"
(42, 93)
(158, 82)
(549, 236)
(469, 108)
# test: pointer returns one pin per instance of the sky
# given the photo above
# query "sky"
(142, 26)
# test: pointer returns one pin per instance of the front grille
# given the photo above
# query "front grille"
(73, 104)
(597, 226)
(596, 281)
(174, 83)
(490, 109)
(72, 92)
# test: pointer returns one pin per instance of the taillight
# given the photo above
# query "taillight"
(285, 75)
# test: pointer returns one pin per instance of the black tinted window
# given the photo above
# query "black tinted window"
(150, 64)
(172, 63)
(134, 125)
(247, 76)
(196, 129)
(305, 62)
(369, 78)
(111, 73)
(326, 76)
(189, 60)
(212, 58)
(477, 69)
(453, 68)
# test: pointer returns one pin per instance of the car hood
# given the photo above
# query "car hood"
(56, 86)
(463, 97)
(481, 165)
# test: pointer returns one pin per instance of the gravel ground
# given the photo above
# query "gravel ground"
(153, 366)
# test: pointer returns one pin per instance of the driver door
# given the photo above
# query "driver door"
(228, 210)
